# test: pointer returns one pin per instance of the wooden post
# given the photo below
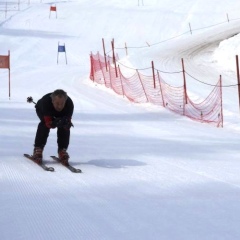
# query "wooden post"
(126, 48)
(142, 86)
(113, 54)
(154, 80)
(92, 67)
(114, 59)
(160, 85)
(190, 28)
(184, 82)
(120, 75)
(238, 78)
(227, 18)
(221, 100)
(104, 52)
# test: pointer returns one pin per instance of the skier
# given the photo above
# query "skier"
(54, 111)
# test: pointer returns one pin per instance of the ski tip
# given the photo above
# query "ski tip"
(51, 169)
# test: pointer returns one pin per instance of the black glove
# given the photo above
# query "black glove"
(66, 123)
(63, 122)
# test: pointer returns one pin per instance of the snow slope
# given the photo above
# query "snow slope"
(147, 173)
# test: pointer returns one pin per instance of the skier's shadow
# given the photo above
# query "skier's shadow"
(114, 163)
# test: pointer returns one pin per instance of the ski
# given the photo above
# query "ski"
(42, 165)
(70, 167)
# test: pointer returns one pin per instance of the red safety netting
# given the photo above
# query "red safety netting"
(142, 89)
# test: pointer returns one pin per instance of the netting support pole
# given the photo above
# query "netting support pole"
(238, 78)
(126, 49)
(101, 68)
(142, 86)
(114, 59)
(159, 80)
(154, 80)
(92, 67)
(184, 83)
(190, 28)
(104, 52)
(228, 18)
(120, 75)
(221, 100)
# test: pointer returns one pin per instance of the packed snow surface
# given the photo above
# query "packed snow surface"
(147, 172)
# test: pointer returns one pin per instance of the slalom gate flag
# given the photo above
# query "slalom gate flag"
(53, 8)
(4, 62)
(61, 49)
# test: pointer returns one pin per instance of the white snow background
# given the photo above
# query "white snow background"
(147, 172)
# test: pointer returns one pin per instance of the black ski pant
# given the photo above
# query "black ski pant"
(63, 135)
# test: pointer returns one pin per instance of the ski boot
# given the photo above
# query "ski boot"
(37, 155)
(63, 156)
